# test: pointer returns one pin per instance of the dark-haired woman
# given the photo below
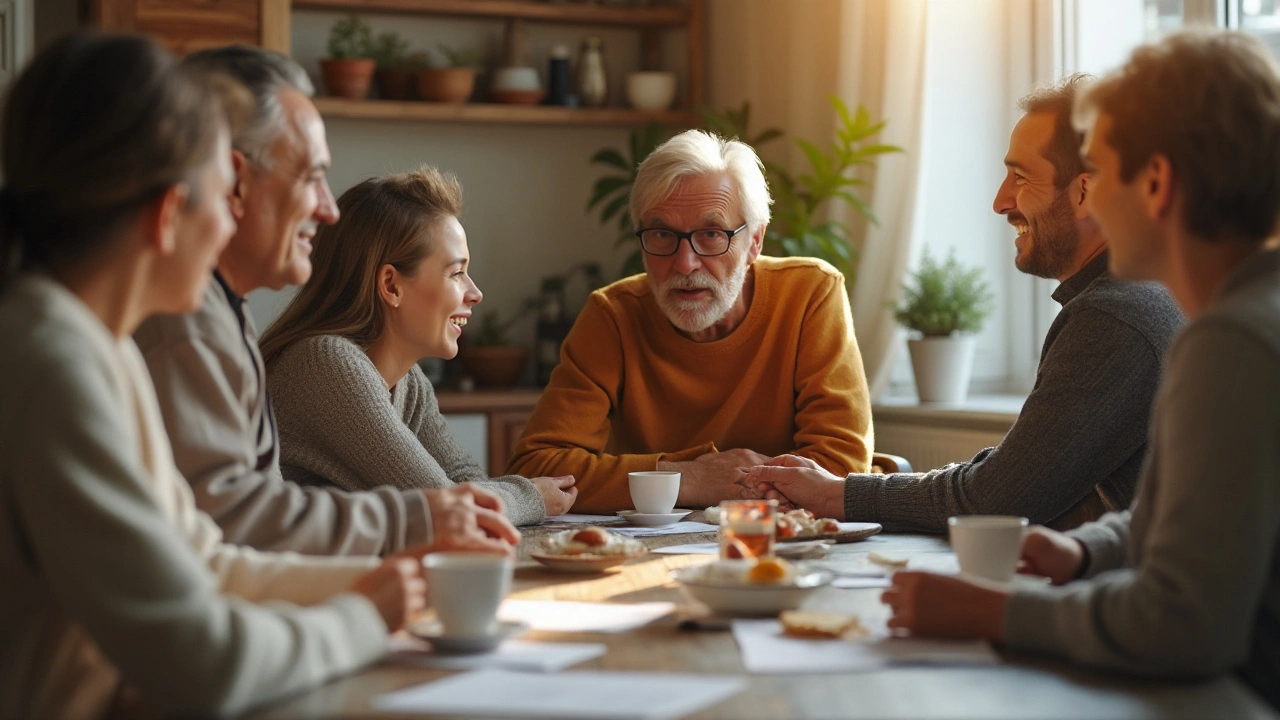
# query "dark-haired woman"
(116, 167)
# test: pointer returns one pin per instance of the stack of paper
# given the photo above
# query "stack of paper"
(610, 695)
(766, 650)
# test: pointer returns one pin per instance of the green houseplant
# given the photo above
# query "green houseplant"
(348, 71)
(613, 191)
(455, 81)
(946, 303)
(395, 76)
(489, 357)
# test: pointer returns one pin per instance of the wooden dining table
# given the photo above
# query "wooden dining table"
(1020, 686)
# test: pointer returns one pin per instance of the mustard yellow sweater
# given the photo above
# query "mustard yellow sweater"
(631, 391)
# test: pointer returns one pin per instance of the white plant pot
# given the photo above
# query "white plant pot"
(942, 367)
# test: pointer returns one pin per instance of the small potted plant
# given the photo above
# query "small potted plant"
(348, 71)
(451, 77)
(396, 77)
(489, 358)
(946, 303)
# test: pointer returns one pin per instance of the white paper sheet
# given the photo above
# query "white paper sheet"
(765, 650)
(680, 528)
(587, 694)
(561, 616)
(510, 655)
(860, 582)
(708, 548)
(575, 519)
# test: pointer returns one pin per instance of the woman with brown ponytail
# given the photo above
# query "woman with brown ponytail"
(117, 593)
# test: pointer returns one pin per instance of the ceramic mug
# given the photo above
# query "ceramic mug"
(988, 546)
(466, 589)
(654, 492)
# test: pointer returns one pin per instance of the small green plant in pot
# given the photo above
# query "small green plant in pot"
(396, 77)
(451, 77)
(488, 357)
(348, 71)
(946, 303)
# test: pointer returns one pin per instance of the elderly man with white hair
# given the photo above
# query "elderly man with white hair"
(715, 360)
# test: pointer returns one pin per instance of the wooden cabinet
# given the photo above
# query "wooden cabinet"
(187, 25)
(506, 413)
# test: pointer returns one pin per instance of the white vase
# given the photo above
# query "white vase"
(942, 367)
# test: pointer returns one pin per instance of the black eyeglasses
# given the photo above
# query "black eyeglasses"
(707, 242)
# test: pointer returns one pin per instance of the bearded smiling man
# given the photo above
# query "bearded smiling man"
(715, 360)
(1078, 444)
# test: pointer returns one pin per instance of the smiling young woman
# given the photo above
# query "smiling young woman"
(390, 286)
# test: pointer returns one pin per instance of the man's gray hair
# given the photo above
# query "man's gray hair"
(696, 153)
(264, 73)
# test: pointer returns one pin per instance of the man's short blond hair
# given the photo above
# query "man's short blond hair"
(1208, 101)
(696, 153)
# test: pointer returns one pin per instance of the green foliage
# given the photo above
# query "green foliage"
(613, 192)
(350, 38)
(798, 201)
(947, 297)
(416, 61)
(460, 58)
(390, 51)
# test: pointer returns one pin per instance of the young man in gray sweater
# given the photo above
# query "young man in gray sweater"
(1077, 446)
(209, 374)
(1183, 145)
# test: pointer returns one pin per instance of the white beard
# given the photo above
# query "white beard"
(693, 316)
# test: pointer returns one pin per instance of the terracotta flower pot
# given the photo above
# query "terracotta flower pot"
(495, 366)
(348, 78)
(452, 85)
(396, 83)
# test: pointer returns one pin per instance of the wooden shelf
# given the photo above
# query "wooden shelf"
(542, 10)
(495, 113)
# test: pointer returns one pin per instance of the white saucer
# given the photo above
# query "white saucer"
(432, 632)
(653, 519)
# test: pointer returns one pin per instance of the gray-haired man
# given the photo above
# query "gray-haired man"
(209, 374)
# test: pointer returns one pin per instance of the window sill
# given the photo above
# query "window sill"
(991, 412)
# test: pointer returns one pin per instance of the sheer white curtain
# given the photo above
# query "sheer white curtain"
(787, 58)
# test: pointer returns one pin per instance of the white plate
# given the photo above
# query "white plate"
(800, 550)
(433, 632)
(585, 563)
(653, 519)
(733, 599)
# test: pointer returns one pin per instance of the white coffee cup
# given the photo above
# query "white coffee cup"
(654, 492)
(988, 546)
(466, 589)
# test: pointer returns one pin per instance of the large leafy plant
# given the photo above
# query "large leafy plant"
(799, 201)
(941, 298)
(613, 192)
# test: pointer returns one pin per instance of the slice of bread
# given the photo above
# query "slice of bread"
(819, 624)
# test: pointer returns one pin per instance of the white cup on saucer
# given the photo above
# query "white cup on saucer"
(654, 492)
(988, 546)
(466, 589)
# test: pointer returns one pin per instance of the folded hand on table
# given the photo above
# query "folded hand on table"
(929, 604)
(467, 518)
(396, 588)
(558, 493)
(1052, 554)
(710, 478)
(796, 481)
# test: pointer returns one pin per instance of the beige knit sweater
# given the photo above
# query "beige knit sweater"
(110, 574)
(340, 426)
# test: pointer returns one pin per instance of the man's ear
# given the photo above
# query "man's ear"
(240, 188)
(162, 219)
(389, 285)
(757, 244)
(1078, 193)
(1157, 187)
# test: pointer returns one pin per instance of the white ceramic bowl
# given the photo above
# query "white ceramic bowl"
(651, 90)
(742, 599)
(516, 78)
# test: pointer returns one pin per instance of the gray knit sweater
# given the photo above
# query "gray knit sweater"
(340, 426)
(1078, 444)
(1189, 582)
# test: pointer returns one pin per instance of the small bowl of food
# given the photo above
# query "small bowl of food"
(587, 550)
(764, 586)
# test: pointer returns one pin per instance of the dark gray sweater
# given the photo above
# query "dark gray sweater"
(1078, 444)
(1189, 583)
